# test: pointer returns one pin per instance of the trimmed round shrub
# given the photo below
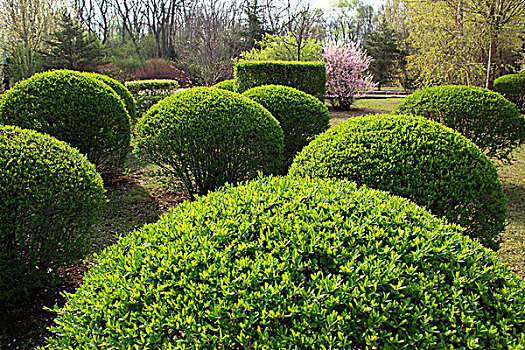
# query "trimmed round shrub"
(121, 90)
(206, 137)
(418, 159)
(512, 86)
(493, 123)
(49, 196)
(225, 85)
(84, 112)
(302, 116)
(295, 263)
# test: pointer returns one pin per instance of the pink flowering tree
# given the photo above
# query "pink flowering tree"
(346, 78)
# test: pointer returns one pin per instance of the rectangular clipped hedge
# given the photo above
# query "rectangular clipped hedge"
(309, 77)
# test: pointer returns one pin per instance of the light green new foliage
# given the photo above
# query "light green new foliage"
(301, 116)
(206, 137)
(226, 85)
(49, 197)
(295, 263)
(121, 90)
(486, 118)
(418, 159)
(75, 108)
(512, 86)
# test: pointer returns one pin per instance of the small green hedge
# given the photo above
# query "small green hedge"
(206, 137)
(512, 86)
(226, 85)
(149, 92)
(416, 158)
(75, 108)
(483, 116)
(121, 90)
(301, 116)
(295, 263)
(309, 77)
(49, 196)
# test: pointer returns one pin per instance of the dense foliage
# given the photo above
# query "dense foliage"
(346, 67)
(309, 77)
(295, 263)
(512, 86)
(149, 92)
(120, 89)
(284, 48)
(49, 196)
(483, 116)
(300, 115)
(206, 137)
(74, 108)
(226, 85)
(416, 158)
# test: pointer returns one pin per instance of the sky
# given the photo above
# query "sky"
(325, 4)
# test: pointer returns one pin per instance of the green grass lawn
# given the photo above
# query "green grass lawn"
(141, 195)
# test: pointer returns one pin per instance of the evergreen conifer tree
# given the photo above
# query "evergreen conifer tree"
(383, 47)
(72, 47)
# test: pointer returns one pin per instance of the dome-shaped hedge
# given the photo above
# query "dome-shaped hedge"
(302, 116)
(512, 86)
(225, 85)
(295, 263)
(416, 158)
(121, 90)
(49, 196)
(493, 123)
(84, 112)
(206, 137)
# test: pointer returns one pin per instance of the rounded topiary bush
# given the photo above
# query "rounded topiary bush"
(206, 137)
(225, 85)
(49, 196)
(121, 90)
(291, 263)
(84, 112)
(302, 116)
(416, 158)
(512, 86)
(493, 123)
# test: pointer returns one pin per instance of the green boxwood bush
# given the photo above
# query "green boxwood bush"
(301, 116)
(149, 92)
(309, 77)
(416, 158)
(295, 263)
(206, 137)
(226, 85)
(512, 86)
(49, 196)
(121, 90)
(483, 116)
(84, 112)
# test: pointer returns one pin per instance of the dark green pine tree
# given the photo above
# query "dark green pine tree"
(383, 46)
(254, 28)
(72, 47)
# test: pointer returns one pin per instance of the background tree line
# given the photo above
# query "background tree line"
(412, 42)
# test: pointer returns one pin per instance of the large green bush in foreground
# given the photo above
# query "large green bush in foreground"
(295, 264)
(512, 86)
(416, 158)
(301, 116)
(84, 112)
(493, 123)
(49, 196)
(205, 137)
